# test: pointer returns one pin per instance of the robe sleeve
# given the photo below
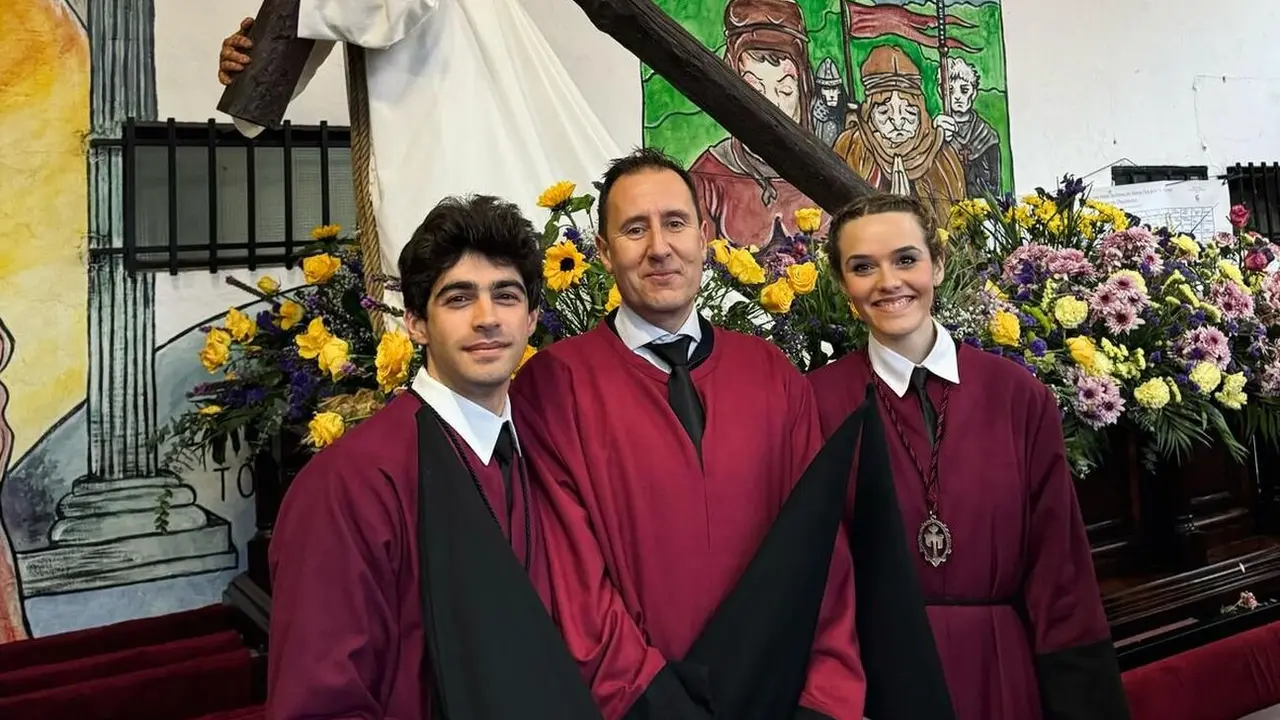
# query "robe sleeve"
(1075, 660)
(372, 24)
(334, 551)
(836, 686)
(628, 677)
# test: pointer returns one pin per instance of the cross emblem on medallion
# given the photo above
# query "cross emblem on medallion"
(934, 541)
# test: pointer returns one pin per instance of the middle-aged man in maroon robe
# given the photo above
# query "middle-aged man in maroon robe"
(408, 567)
(667, 449)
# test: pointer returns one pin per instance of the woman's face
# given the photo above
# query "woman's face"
(889, 275)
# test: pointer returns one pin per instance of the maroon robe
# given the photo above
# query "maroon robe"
(644, 541)
(347, 635)
(1017, 603)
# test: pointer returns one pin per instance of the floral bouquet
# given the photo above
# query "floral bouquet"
(309, 364)
(1153, 329)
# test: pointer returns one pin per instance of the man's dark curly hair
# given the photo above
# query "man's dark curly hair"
(482, 224)
(638, 160)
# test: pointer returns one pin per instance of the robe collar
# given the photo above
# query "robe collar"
(477, 427)
(895, 370)
(636, 332)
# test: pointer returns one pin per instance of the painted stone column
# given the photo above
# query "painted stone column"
(105, 533)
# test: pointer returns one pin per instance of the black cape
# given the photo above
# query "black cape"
(493, 652)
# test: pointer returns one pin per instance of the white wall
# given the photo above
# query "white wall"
(1161, 82)
(1091, 82)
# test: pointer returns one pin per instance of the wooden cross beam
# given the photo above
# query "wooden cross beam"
(261, 93)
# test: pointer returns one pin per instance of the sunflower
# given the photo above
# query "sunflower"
(563, 265)
(556, 195)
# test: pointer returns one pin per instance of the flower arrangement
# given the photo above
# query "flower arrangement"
(784, 292)
(1173, 337)
(309, 364)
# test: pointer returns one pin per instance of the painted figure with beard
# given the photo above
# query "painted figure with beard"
(893, 143)
(975, 141)
(831, 105)
(743, 199)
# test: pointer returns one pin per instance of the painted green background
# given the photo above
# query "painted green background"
(677, 126)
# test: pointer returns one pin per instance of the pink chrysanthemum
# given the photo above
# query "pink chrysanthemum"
(1098, 401)
(1234, 301)
(1206, 344)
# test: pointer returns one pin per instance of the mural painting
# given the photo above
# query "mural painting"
(912, 95)
(84, 379)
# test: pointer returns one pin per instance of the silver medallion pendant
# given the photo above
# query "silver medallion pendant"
(934, 541)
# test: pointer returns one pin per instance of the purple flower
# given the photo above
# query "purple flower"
(1039, 347)
(1097, 401)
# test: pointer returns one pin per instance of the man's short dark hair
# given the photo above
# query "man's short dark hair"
(482, 224)
(640, 159)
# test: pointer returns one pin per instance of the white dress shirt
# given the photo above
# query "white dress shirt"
(477, 427)
(895, 370)
(636, 332)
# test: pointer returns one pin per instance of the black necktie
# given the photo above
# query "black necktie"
(681, 394)
(505, 451)
(919, 377)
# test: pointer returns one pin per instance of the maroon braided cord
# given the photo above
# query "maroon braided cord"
(930, 480)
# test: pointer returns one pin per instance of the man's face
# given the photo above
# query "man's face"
(897, 119)
(653, 245)
(476, 327)
(960, 92)
(831, 96)
(777, 83)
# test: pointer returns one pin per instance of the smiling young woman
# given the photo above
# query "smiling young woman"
(982, 481)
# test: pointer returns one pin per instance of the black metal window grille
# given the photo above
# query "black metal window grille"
(1257, 187)
(1133, 174)
(204, 196)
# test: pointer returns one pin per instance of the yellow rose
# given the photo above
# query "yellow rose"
(216, 350)
(241, 327)
(325, 428)
(529, 351)
(210, 409)
(1005, 329)
(290, 314)
(743, 267)
(395, 352)
(315, 338)
(1070, 312)
(777, 296)
(614, 299)
(318, 269)
(1152, 394)
(719, 250)
(808, 220)
(268, 285)
(802, 277)
(1083, 351)
(333, 357)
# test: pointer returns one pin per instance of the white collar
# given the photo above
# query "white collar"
(636, 332)
(477, 427)
(895, 369)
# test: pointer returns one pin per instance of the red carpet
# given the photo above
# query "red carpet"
(185, 666)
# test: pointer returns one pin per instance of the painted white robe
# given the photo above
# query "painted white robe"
(466, 96)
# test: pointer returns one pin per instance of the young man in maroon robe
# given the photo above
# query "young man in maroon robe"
(982, 481)
(666, 449)
(408, 567)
